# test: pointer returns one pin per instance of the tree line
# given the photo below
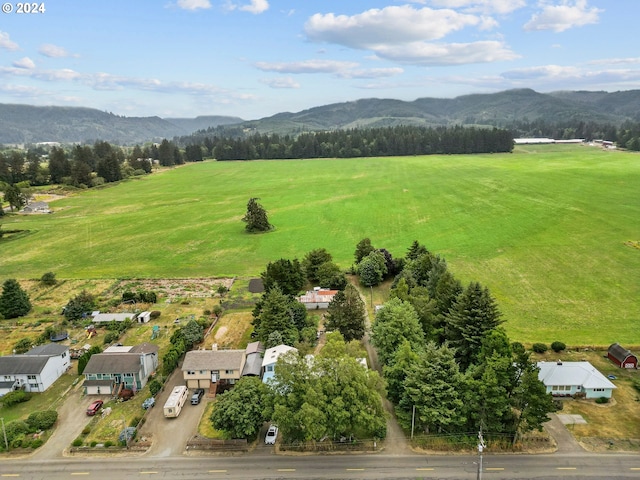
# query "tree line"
(370, 142)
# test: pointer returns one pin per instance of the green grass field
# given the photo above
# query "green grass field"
(545, 228)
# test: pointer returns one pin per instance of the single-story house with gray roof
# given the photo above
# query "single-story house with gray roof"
(35, 370)
(120, 367)
(564, 379)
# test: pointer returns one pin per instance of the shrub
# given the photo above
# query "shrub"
(540, 347)
(154, 387)
(48, 279)
(558, 346)
(23, 345)
(558, 405)
(42, 420)
(111, 337)
(602, 400)
(154, 314)
(93, 444)
(77, 442)
(15, 397)
(36, 442)
(134, 421)
(108, 444)
(86, 430)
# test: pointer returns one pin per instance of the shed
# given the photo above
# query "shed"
(621, 356)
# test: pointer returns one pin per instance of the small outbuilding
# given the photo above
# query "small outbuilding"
(621, 356)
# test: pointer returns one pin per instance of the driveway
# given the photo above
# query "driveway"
(72, 419)
(169, 435)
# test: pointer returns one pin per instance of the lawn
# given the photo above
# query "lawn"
(549, 229)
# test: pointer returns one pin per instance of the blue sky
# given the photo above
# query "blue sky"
(256, 58)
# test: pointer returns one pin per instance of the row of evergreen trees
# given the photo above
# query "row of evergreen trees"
(392, 141)
(449, 366)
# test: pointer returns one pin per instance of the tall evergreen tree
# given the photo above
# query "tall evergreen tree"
(312, 262)
(14, 301)
(286, 274)
(59, 165)
(256, 217)
(363, 249)
(473, 315)
(346, 313)
(277, 315)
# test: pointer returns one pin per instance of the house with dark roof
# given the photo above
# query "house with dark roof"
(35, 370)
(253, 362)
(621, 356)
(564, 379)
(122, 367)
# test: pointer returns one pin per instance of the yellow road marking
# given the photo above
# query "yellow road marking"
(424, 469)
(634, 468)
(217, 471)
(355, 469)
(79, 473)
(286, 469)
(566, 468)
(17, 474)
(494, 468)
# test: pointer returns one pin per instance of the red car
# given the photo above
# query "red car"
(94, 407)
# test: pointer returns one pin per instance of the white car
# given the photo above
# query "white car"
(272, 434)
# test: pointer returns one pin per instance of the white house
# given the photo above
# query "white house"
(36, 370)
(271, 357)
(571, 378)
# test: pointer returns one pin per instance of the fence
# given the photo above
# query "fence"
(201, 443)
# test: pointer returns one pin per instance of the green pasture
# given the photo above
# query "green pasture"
(546, 228)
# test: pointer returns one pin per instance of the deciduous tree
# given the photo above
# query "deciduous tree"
(240, 412)
(396, 322)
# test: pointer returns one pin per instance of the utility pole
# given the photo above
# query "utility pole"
(4, 432)
(481, 446)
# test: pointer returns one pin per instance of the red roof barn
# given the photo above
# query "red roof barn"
(622, 357)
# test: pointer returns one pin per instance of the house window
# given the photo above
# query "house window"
(229, 372)
(598, 389)
(128, 375)
(33, 386)
(203, 372)
(268, 368)
(561, 388)
(8, 377)
(31, 377)
(190, 372)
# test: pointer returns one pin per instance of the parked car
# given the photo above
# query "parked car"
(94, 407)
(148, 403)
(272, 434)
(198, 393)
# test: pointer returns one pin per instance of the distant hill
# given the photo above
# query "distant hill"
(203, 122)
(28, 124)
(499, 109)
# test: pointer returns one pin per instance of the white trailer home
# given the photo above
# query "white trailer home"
(173, 405)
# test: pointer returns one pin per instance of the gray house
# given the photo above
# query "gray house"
(34, 371)
(564, 379)
(120, 368)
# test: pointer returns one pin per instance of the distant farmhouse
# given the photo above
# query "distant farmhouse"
(36, 207)
(142, 317)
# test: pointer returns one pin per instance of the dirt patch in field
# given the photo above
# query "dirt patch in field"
(177, 287)
(231, 331)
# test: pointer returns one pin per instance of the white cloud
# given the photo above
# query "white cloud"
(423, 53)
(390, 25)
(405, 34)
(6, 43)
(194, 4)
(306, 66)
(54, 51)
(568, 14)
(544, 71)
(371, 73)
(501, 7)
(616, 61)
(24, 62)
(284, 82)
(23, 91)
(254, 6)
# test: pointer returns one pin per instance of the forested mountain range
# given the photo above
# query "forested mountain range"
(29, 124)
